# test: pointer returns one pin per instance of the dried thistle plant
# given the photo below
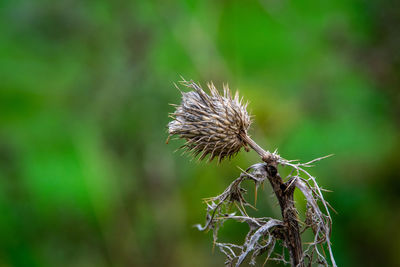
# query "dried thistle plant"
(216, 125)
(211, 124)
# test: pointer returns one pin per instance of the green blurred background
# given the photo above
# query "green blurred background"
(86, 178)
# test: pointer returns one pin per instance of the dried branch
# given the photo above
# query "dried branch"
(264, 232)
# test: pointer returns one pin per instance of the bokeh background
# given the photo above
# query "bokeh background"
(86, 178)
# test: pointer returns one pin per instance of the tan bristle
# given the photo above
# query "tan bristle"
(211, 123)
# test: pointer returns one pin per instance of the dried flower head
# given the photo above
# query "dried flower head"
(211, 124)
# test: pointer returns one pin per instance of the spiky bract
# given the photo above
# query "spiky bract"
(211, 124)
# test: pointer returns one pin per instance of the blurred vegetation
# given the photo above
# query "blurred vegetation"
(85, 176)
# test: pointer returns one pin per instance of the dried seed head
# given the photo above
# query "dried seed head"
(211, 124)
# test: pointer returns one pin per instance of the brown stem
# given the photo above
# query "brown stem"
(284, 192)
(265, 155)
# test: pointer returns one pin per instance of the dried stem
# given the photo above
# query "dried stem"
(284, 193)
(264, 232)
(265, 155)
